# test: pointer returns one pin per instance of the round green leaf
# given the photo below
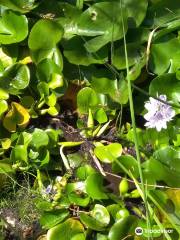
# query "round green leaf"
(19, 153)
(76, 53)
(50, 219)
(135, 53)
(13, 27)
(122, 228)
(166, 84)
(49, 72)
(158, 15)
(165, 169)
(87, 98)
(97, 20)
(101, 214)
(39, 138)
(104, 154)
(19, 5)
(91, 222)
(66, 230)
(160, 60)
(44, 35)
(15, 78)
(128, 162)
(115, 149)
(104, 82)
(100, 116)
(136, 11)
(21, 80)
(108, 153)
(94, 187)
(83, 172)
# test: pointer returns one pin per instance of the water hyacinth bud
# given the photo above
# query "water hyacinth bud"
(123, 187)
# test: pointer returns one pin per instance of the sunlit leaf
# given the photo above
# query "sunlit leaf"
(17, 116)
(13, 27)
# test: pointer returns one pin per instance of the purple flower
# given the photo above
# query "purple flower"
(158, 113)
(49, 189)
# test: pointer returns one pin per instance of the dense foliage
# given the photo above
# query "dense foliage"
(69, 165)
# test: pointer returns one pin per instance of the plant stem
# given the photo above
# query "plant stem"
(134, 127)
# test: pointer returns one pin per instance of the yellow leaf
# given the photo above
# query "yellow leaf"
(17, 115)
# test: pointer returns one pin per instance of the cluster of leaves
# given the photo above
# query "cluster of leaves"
(56, 54)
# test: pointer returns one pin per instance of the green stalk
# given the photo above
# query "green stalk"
(134, 127)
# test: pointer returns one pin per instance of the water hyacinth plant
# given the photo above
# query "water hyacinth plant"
(88, 149)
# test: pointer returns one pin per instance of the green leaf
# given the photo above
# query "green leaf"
(129, 163)
(76, 53)
(24, 138)
(15, 78)
(84, 171)
(39, 138)
(44, 35)
(75, 160)
(104, 82)
(8, 54)
(91, 222)
(3, 107)
(13, 27)
(168, 155)
(108, 153)
(136, 11)
(173, 195)
(53, 137)
(27, 101)
(5, 168)
(77, 195)
(135, 52)
(165, 166)
(97, 21)
(19, 154)
(66, 230)
(103, 154)
(160, 60)
(87, 98)
(94, 187)
(101, 116)
(52, 218)
(115, 149)
(3, 94)
(166, 84)
(101, 214)
(49, 72)
(113, 209)
(19, 5)
(43, 157)
(122, 228)
(158, 15)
